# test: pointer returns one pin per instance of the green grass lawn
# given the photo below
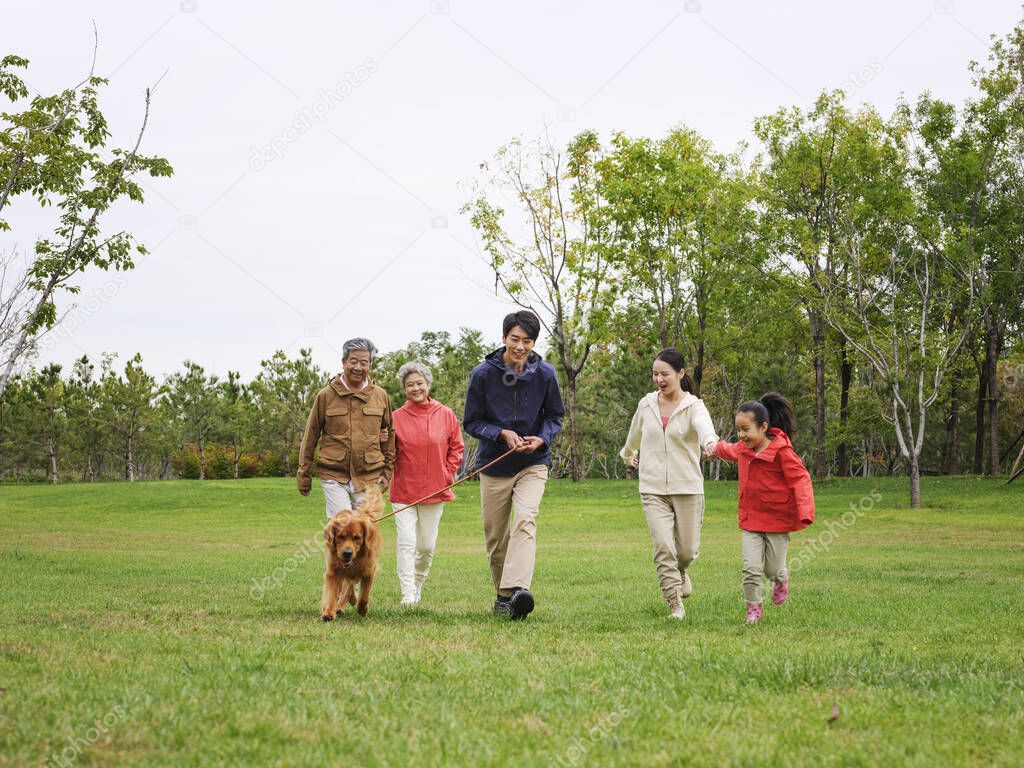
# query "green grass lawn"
(177, 624)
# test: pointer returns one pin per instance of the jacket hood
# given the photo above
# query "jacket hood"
(420, 408)
(779, 441)
(651, 398)
(533, 361)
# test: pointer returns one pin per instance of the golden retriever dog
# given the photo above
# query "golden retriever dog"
(353, 543)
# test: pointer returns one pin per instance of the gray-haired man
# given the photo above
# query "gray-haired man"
(346, 419)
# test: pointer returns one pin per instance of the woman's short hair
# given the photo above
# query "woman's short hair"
(415, 366)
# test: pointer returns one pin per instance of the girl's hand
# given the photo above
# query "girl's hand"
(384, 435)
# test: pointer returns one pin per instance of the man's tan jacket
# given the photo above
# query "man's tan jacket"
(347, 425)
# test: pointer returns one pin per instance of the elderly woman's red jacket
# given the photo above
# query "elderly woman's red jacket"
(775, 486)
(429, 451)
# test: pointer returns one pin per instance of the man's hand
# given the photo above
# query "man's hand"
(511, 439)
(709, 449)
(304, 492)
(635, 461)
(530, 444)
(382, 482)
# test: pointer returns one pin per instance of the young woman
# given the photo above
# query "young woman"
(668, 432)
(429, 447)
(776, 496)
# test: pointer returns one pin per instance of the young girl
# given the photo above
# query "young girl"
(776, 496)
(669, 430)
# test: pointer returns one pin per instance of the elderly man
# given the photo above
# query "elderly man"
(347, 419)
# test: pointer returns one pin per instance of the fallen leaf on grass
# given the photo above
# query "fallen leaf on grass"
(835, 714)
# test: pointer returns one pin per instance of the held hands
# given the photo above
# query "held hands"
(518, 443)
(709, 449)
(384, 435)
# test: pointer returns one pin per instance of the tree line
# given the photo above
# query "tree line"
(870, 266)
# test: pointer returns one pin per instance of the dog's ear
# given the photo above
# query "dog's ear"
(329, 532)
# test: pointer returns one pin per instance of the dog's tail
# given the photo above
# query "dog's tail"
(373, 501)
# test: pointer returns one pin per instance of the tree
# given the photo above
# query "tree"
(554, 260)
(85, 428)
(237, 416)
(821, 170)
(898, 319)
(195, 399)
(971, 169)
(128, 407)
(52, 151)
(283, 393)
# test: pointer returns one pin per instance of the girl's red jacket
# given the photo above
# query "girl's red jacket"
(775, 486)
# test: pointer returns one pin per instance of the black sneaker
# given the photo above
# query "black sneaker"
(520, 604)
(503, 607)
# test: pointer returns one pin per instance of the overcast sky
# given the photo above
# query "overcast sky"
(271, 236)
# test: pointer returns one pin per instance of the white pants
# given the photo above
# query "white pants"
(417, 537)
(339, 496)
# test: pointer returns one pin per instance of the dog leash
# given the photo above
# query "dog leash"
(446, 488)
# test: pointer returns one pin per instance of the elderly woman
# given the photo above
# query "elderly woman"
(429, 446)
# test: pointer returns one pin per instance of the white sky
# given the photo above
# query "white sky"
(355, 229)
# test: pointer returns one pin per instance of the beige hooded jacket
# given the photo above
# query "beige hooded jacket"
(670, 457)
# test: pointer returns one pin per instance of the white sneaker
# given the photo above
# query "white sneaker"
(408, 602)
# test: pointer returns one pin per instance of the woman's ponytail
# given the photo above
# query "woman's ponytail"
(686, 383)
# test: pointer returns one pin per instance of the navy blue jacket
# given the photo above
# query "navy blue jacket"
(528, 403)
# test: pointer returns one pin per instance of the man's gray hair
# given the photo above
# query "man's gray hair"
(358, 343)
(415, 367)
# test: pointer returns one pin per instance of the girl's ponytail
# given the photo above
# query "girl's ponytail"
(780, 412)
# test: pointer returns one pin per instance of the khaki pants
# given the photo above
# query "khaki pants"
(764, 554)
(417, 538)
(674, 522)
(509, 507)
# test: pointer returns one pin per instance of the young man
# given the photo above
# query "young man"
(347, 418)
(513, 402)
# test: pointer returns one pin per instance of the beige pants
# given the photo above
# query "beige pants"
(764, 554)
(417, 538)
(509, 507)
(674, 522)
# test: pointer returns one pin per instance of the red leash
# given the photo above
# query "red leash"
(446, 488)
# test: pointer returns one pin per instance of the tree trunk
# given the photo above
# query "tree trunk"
(575, 470)
(818, 335)
(992, 350)
(202, 461)
(915, 481)
(698, 368)
(953, 429)
(234, 463)
(846, 375)
(129, 460)
(51, 445)
(979, 424)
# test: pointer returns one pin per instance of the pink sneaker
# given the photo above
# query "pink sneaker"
(754, 611)
(780, 592)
